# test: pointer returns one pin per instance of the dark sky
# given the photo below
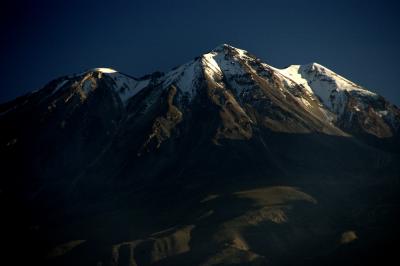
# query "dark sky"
(42, 40)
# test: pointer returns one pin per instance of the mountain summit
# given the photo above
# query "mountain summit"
(312, 97)
(223, 160)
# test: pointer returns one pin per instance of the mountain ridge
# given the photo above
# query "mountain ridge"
(222, 160)
(332, 92)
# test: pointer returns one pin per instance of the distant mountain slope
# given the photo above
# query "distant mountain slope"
(222, 160)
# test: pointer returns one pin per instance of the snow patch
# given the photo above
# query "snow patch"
(293, 74)
(211, 67)
(104, 70)
(127, 90)
(184, 78)
(232, 69)
(127, 87)
(331, 88)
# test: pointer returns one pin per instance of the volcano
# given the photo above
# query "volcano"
(224, 160)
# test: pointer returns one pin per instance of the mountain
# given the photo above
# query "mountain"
(224, 160)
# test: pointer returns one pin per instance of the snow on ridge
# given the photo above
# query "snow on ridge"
(331, 87)
(231, 68)
(186, 75)
(213, 63)
(183, 77)
(341, 82)
(127, 87)
(222, 47)
(322, 82)
(186, 82)
(293, 74)
(104, 70)
(124, 85)
(211, 67)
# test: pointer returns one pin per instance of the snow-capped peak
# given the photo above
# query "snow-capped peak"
(125, 86)
(317, 70)
(229, 72)
(236, 66)
(225, 47)
(213, 63)
(329, 87)
(104, 70)
(86, 82)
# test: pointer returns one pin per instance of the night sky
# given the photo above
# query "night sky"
(42, 40)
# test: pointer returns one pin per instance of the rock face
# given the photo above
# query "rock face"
(223, 160)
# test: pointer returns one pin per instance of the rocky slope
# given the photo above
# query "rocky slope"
(222, 160)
